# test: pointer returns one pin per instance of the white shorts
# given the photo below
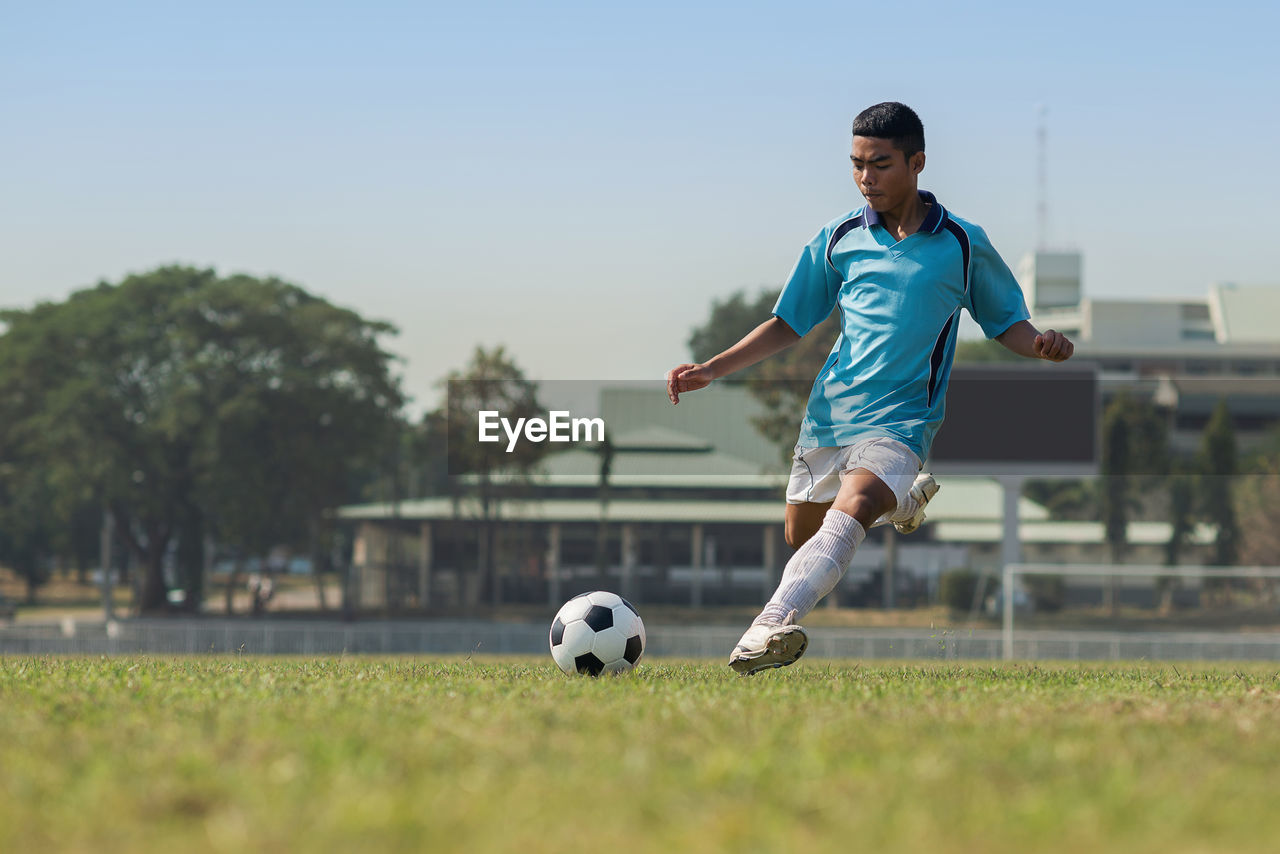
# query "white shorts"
(816, 473)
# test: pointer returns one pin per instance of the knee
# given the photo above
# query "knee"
(865, 508)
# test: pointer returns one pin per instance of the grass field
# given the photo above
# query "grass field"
(240, 753)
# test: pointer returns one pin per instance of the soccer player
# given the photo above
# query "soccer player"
(900, 269)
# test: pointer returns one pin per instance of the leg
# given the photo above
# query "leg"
(819, 563)
(865, 497)
(802, 521)
(774, 640)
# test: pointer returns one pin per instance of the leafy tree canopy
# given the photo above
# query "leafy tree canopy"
(982, 350)
(730, 319)
(245, 403)
(782, 382)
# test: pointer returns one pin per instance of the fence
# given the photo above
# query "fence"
(1015, 646)
(461, 637)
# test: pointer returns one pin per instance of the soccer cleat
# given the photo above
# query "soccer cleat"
(768, 645)
(922, 490)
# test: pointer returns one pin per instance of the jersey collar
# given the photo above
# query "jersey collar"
(932, 218)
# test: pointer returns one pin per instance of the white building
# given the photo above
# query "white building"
(1185, 353)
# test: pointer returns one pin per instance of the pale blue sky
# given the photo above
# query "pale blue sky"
(578, 181)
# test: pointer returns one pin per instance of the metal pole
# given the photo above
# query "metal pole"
(890, 566)
(770, 560)
(1006, 585)
(426, 546)
(104, 553)
(696, 547)
(553, 565)
(628, 559)
(1010, 553)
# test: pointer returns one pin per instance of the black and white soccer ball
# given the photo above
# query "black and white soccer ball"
(597, 633)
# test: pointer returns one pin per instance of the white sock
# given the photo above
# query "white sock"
(815, 568)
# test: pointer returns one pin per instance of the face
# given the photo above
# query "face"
(886, 177)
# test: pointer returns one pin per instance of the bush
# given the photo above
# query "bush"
(1048, 592)
(957, 587)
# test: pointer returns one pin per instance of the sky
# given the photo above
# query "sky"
(579, 181)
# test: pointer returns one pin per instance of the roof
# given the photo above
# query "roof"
(659, 468)
(970, 516)
(722, 415)
(961, 499)
(1138, 533)
(1246, 313)
(576, 510)
(975, 498)
(651, 438)
(658, 457)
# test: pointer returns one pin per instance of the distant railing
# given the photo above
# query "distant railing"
(1015, 645)
(462, 637)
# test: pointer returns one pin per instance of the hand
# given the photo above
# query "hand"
(686, 377)
(1053, 346)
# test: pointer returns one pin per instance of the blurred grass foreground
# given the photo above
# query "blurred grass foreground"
(217, 753)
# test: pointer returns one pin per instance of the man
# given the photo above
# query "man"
(900, 269)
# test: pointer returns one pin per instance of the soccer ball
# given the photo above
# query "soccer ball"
(597, 633)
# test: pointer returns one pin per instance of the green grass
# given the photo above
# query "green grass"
(239, 753)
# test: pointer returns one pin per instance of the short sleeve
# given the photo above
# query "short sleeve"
(995, 299)
(812, 288)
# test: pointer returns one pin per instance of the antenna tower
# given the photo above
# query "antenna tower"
(1042, 183)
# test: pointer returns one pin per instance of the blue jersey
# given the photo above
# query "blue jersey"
(900, 303)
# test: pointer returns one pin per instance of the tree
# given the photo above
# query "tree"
(1218, 466)
(490, 382)
(983, 351)
(782, 382)
(1065, 499)
(731, 318)
(31, 516)
(1257, 501)
(309, 430)
(1116, 466)
(189, 403)
(1181, 526)
(1134, 453)
(26, 526)
(1181, 514)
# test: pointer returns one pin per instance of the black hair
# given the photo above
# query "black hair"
(895, 122)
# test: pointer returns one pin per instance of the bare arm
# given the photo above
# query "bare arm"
(760, 343)
(1025, 340)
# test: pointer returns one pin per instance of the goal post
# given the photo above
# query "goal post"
(1012, 571)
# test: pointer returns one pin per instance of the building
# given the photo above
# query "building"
(692, 515)
(1185, 354)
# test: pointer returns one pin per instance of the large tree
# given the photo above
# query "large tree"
(782, 382)
(27, 532)
(730, 319)
(1134, 455)
(190, 403)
